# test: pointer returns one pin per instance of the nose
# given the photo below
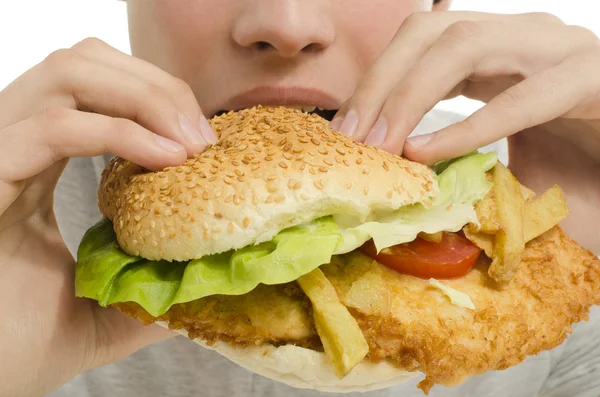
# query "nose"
(288, 27)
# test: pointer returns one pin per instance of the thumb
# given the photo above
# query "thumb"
(118, 336)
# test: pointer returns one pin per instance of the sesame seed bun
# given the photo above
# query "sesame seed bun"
(272, 168)
(307, 369)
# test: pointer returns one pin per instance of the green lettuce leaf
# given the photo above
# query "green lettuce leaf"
(462, 182)
(107, 274)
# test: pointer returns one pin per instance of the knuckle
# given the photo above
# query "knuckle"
(89, 44)
(510, 98)
(183, 89)
(464, 31)
(56, 116)
(417, 19)
(122, 126)
(544, 17)
(153, 92)
(61, 60)
(586, 36)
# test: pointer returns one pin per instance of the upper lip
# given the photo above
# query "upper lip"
(284, 96)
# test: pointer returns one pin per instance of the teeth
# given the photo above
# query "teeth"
(306, 109)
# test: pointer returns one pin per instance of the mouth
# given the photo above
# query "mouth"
(308, 100)
(327, 114)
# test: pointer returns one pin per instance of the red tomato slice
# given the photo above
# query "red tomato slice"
(453, 257)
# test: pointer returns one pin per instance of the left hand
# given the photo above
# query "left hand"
(533, 72)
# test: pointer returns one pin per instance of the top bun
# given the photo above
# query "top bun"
(272, 168)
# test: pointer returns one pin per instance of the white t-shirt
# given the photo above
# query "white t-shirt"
(179, 368)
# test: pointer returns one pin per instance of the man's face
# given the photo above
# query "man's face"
(239, 53)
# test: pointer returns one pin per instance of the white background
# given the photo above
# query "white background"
(31, 29)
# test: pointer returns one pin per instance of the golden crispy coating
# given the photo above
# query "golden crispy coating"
(407, 321)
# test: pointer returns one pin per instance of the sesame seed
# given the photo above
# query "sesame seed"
(283, 164)
(137, 218)
(206, 235)
(185, 228)
(319, 184)
(246, 222)
(323, 151)
(359, 161)
(389, 194)
(304, 197)
(366, 171)
(366, 190)
(349, 185)
(162, 233)
(323, 169)
(328, 162)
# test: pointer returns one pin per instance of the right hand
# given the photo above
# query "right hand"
(84, 101)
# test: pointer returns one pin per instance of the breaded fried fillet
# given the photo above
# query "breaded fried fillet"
(409, 322)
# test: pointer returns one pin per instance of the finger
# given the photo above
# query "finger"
(34, 144)
(119, 336)
(177, 90)
(472, 50)
(113, 92)
(416, 35)
(541, 98)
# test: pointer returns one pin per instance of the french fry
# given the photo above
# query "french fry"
(541, 215)
(487, 212)
(487, 215)
(527, 193)
(509, 242)
(482, 240)
(545, 212)
(342, 338)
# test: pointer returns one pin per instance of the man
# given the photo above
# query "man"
(384, 64)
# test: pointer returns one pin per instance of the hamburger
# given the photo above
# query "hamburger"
(323, 263)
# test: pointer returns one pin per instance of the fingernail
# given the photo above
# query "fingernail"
(207, 131)
(336, 123)
(419, 140)
(378, 133)
(190, 132)
(350, 123)
(168, 144)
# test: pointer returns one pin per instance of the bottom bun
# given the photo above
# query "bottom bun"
(306, 369)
